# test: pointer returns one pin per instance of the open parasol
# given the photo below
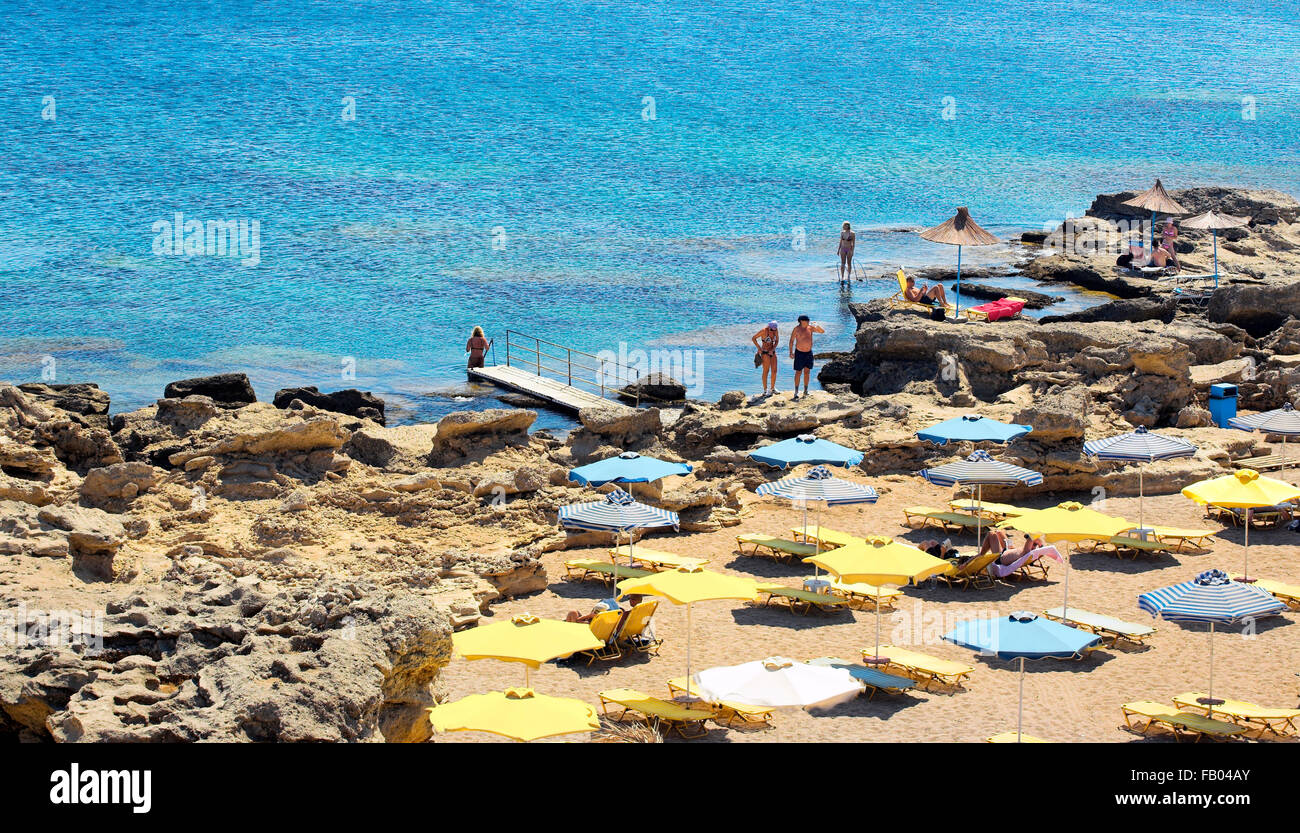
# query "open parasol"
(960, 231)
(1214, 221)
(1156, 200)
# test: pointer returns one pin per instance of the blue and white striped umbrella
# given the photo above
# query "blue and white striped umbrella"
(980, 470)
(1140, 446)
(1284, 421)
(1213, 598)
(818, 484)
(617, 513)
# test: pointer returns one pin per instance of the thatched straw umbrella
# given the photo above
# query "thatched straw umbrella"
(1214, 221)
(960, 231)
(1156, 199)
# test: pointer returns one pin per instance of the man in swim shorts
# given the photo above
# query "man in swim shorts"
(801, 350)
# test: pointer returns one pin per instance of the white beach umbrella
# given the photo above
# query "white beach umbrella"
(778, 682)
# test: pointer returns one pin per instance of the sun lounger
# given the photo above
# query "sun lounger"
(923, 668)
(940, 518)
(1288, 593)
(899, 299)
(798, 599)
(687, 722)
(1008, 307)
(1182, 537)
(973, 573)
(608, 627)
(1170, 718)
(988, 509)
(585, 568)
(728, 711)
(861, 593)
(1263, 517)
(1012, 737)
(1278, 722)
(781, 549)
(1265, 462)
(872, 679)
(633, 636)
(1120, 544)
(830, 539)
(655, 560)
(1108, 627)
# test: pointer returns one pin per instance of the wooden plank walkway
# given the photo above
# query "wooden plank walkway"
(541, 387)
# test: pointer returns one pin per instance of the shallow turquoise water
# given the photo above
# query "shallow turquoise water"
(502, 169)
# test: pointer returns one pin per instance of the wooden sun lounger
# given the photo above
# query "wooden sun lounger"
(585, 568)
(1183, 537)
(923, 668)
(1288, 593)
(1108, 627)
(946, 520)
(798, 599)
(728, 711)
(1180, 723)
(861, 593)
(1120, 544)
(973, 573)
(1266, 462)
(987, 509)
(781, 549)
(655, 560)
(1277, 722)
(872, 679)
(687, 722)
(1010, 737)
(830, 539)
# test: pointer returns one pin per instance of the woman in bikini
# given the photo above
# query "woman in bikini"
(766, 340)
(847, 241)
(1168, 235)
(476, 347)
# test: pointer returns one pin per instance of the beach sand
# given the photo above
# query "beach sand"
(1065, 701)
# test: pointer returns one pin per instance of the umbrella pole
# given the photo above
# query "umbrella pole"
(1245, 567)
(1141, 474)
(1065, 608)
(688, 650)
(1215, 232)
(957, 308)
(1209, 707)
(979, 512)
(1020, 709)
(816, 569)
(528, 676)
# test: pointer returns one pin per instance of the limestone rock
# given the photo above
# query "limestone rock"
(111, 487)
(226, 389)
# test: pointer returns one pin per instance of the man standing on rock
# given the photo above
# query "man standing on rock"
(801, 350)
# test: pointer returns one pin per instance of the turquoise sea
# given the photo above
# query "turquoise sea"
(600, 174)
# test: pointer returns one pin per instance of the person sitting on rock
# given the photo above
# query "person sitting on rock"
(925, 294)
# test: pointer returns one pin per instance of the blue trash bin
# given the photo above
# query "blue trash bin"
(1223, 404)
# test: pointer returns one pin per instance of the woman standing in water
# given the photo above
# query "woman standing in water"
(847, 241)
(766, 341)
(476, 347)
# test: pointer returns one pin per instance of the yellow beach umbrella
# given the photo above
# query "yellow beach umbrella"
(880, 560)
(1068, 522)
(517, 713)
(1243, 489)
(525, 639)
(688, 585)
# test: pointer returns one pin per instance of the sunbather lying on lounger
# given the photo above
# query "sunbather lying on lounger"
(998, 541)
(938, 549)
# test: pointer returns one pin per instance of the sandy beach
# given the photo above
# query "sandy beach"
(1065, 701)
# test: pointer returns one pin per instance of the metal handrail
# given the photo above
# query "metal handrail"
(534, 356)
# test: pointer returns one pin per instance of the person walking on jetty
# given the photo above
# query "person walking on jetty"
(801, 350)
(766, 340)
(848, 240)
(476, 347)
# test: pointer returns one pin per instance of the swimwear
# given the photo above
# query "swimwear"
(768, 343)
(803, 360)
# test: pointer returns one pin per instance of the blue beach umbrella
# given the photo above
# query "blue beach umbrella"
(972, 428)
(806, 448)
(628, 467)
(818, 484)
(1284, 421)
(1140, 446)
(980, 470)
(1021, 636)
(617, 513)
(1211, 598)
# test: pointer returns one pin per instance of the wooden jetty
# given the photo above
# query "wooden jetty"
(545, 370)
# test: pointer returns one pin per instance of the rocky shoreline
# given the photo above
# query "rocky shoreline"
(293, 570)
